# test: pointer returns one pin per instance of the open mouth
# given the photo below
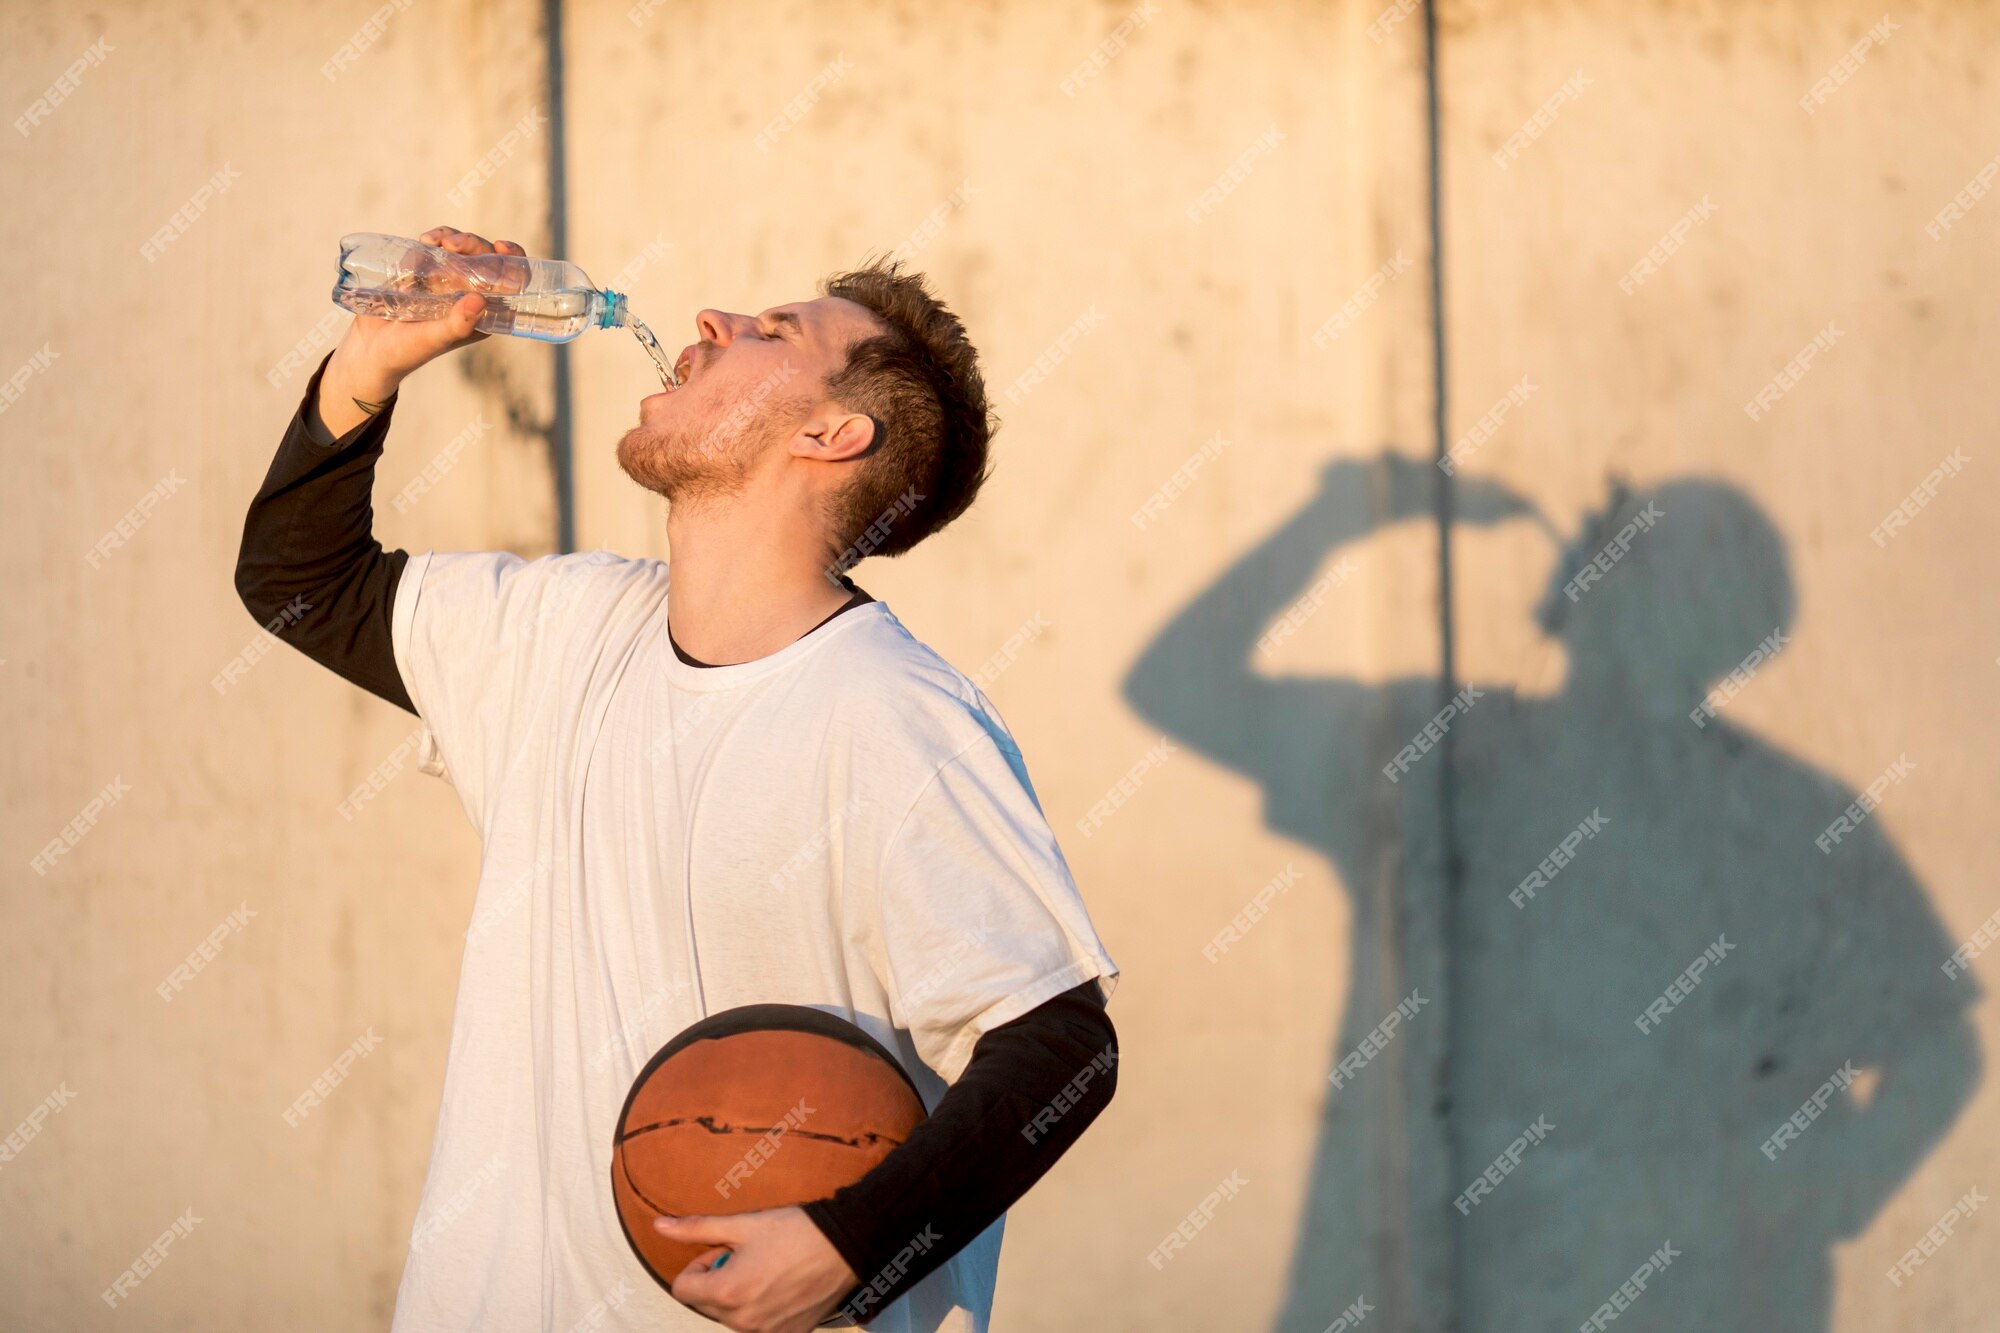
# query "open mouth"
(683, 368)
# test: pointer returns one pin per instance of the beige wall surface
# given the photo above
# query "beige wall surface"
(1193, 244)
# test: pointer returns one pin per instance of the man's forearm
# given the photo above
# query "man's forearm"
(349, 393)
(1029, 1091)
(310, 569)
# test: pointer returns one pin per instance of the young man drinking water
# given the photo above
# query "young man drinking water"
(759, 788)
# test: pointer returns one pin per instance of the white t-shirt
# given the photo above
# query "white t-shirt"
(844, 824)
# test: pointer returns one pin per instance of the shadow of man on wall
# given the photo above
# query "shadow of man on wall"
(1662, 955)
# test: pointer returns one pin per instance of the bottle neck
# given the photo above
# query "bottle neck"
(610, 309)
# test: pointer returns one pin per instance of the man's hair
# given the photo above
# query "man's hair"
(919, 379)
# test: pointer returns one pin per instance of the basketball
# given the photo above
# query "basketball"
(763, 1106)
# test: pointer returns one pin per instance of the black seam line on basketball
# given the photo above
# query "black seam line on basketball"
(625, 1165)
(708, 1123)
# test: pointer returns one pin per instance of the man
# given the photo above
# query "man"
(761, 788)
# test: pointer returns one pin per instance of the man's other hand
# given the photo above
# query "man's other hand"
(782, 1274)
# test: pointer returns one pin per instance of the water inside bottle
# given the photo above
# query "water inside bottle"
(545, 316)
(653, 349)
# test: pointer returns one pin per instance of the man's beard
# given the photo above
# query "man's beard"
(712, 465)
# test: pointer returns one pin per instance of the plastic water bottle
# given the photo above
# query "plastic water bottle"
(550, 300)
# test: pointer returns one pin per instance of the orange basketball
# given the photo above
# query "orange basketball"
(760, 1107)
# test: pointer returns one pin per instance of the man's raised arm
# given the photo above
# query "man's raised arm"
(310, 569)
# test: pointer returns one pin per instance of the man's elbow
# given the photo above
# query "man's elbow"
(270, 591)
(1111, 1071)
(254, 588)
(1102, 1041)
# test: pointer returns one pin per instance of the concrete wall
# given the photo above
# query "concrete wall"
(1274, 617)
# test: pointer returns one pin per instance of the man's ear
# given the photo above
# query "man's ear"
(835, 436)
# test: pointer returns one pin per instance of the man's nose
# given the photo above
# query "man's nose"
(720, 327)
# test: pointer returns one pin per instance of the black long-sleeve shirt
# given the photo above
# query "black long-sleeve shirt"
(312, 571)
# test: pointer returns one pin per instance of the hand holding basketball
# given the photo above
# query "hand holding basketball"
(782, 1276)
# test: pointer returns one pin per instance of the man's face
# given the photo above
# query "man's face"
(751, 382)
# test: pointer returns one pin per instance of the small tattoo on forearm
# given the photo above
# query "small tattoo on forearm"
(372, 409)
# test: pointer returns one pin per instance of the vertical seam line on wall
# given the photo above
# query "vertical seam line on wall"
(1452, 876)
(561, 453)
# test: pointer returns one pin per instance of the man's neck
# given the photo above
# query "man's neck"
(743, 587)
